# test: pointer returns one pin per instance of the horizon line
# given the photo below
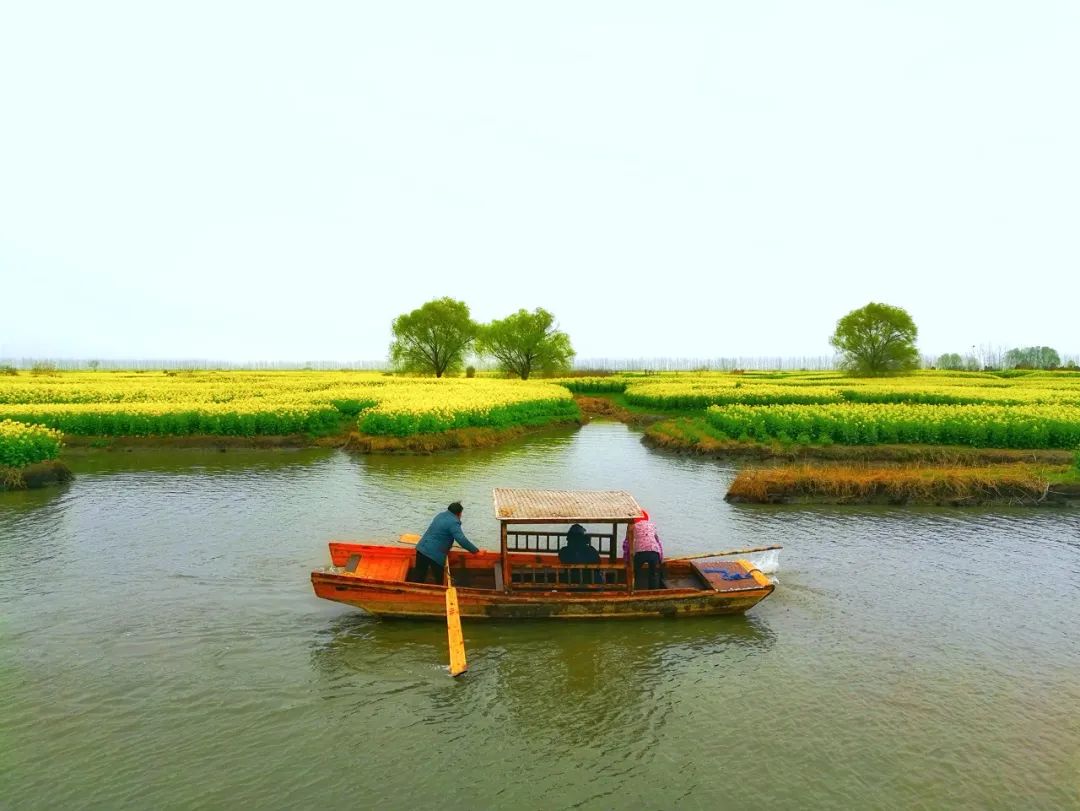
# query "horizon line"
(653, 363)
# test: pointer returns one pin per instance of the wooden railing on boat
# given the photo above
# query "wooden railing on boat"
(544, 541)
(547, 572)
(557, 576)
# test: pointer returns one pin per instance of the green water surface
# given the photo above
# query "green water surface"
(161, 648)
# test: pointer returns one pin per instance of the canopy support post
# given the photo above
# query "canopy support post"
(505, 562)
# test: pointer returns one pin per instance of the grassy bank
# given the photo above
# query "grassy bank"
(346, 438)
(78, 443)
(696, 435)
(450, 440)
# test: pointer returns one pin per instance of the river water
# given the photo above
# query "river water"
(161, 648)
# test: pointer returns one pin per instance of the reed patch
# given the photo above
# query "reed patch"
(891, 484)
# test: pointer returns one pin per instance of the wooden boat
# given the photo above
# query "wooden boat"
(526, 580)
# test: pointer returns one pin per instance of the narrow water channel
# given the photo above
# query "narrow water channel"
(160, 648)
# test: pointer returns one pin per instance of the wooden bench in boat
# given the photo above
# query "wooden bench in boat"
(391, 566)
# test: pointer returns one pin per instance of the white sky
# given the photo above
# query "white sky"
(260, 180)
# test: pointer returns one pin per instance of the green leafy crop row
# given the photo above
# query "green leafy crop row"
(850, 424)
(22, 444)
(535, 412)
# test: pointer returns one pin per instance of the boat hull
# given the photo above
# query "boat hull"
(423, 601)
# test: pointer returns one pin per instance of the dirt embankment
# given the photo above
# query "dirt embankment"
(31, 477)
(605, 407)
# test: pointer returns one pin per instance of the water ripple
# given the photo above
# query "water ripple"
(161, 648)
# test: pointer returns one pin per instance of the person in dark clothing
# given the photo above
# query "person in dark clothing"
(579, 550)
(434, 545)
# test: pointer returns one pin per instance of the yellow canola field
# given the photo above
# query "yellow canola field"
(247, 403)
(929, 388)
(994, 426)
(22, 444)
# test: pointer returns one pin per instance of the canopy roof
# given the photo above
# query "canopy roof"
(564, 505)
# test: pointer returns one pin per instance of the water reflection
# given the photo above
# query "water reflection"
(403, 473)
(203, 461)
(585, 679)
(29, 521)
(577, 683)
(17, 504)
(684, 496)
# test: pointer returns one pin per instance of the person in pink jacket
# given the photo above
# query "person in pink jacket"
(648, 549)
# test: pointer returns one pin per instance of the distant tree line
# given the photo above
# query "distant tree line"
(185, 364)
(440, 336)
(879, 339)
(1030, 357)
(972, 361)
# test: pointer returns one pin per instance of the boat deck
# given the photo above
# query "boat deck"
(483, 571)
(375, 578)
(526, 579)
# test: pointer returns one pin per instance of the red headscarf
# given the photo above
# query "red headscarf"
(643, 517)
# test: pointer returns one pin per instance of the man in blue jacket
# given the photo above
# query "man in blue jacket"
(433, 547)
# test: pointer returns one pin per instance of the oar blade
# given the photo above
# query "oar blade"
(408, 538)
(453, 631)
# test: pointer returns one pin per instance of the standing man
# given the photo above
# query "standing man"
(433, 547)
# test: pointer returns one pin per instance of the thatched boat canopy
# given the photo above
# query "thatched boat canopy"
(537, 506)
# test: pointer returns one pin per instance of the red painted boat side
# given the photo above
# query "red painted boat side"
(399, 598)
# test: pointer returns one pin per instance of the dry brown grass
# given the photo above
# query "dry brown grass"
(893, 484)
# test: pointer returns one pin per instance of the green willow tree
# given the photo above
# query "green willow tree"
(434, 338)
(877, 339)
(526, 342)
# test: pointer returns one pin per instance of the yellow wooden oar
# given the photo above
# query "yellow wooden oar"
(453, 628)
(453, 617)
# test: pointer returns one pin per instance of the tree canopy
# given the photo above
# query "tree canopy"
(434, 338)
(526, 342)
(876, 339)
(950, 361)
(1033, 357)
